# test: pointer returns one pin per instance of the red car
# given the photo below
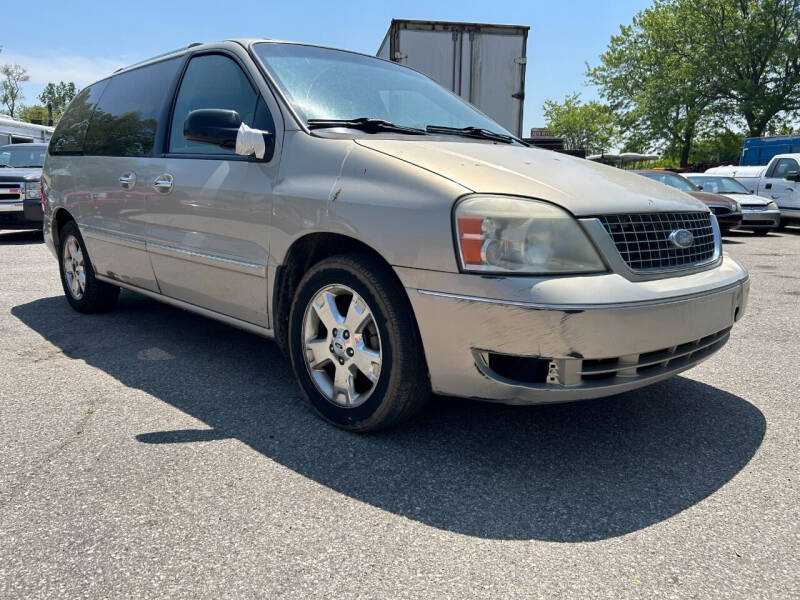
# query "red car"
(727, 211)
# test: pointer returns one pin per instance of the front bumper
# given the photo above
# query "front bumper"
(760, 219)
(729, 221)
(26, 214)
(605, 335)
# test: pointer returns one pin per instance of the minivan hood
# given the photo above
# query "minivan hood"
(583, 187)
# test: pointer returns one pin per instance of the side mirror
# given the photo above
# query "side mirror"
(793, 176)
(224, 128)
(212, 126)
(699, 187)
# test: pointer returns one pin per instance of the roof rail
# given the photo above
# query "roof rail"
(141, 62)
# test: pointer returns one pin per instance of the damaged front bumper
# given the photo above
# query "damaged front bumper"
(535, 340)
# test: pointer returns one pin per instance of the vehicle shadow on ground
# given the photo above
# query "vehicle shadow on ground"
(568, 473)
(18, 238)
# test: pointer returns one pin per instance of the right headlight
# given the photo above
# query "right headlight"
(501, 234)
(772, 206)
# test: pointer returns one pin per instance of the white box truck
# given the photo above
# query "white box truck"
(482, 63)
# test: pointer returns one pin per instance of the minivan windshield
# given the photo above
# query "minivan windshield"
(22, 156)
(327, 85)
(720, 185)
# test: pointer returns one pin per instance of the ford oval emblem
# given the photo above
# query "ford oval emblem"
(681, 238)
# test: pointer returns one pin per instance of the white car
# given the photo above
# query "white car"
(759, 214)
(779, 181)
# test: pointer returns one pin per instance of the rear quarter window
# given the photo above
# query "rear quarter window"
(70, 134)
(127, 116)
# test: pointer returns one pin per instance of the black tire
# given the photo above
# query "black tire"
(723, 231)
(761, 231)
(97, 296)
(402, 386)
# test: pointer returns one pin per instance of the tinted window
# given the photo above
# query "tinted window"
(71, 130)
(126, 117)
(212, 81)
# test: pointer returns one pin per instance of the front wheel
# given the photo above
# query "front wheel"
(761, 231)
(354, 345)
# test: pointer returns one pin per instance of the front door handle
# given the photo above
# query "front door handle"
(128, 180)
(768, 186)
(163, 184)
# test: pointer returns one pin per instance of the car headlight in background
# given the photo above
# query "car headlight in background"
(500, 234)
(772, 206)
(736, 206)
(33, 190)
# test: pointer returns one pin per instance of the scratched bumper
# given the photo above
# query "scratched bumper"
(604, 336)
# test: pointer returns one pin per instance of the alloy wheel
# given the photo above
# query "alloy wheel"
(342, 345)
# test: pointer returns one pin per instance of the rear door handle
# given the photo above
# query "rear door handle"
(768, 186)
(128, 180)
(163, 184)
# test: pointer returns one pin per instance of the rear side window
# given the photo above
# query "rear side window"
(70, 133)
(126, 117)
(211, 81)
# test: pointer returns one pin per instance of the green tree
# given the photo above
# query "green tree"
(10, 87)
(56, 97)
(35, 112)
(588, 126)
(651, 78)
(752, 49)
(683, 67)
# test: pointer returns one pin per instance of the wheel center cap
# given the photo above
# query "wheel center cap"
(339, 346)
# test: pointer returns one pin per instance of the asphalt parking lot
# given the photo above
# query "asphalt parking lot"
(150, 453)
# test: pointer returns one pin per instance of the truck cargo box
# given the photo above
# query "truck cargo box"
(482, 63)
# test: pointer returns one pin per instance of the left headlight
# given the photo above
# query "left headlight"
(33, 190)
(772, 206)
(500, 234)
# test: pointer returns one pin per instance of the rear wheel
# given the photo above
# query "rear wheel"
(85, 293)
(354, 345)
(761, 231)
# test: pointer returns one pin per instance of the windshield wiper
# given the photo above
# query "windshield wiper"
(366, 124)
(471, 132)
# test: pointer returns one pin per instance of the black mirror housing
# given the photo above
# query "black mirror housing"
(793, 176)
(212, 126)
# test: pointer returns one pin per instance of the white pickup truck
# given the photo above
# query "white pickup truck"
(779, 180)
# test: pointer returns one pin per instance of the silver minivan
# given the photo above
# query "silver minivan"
(393, 240)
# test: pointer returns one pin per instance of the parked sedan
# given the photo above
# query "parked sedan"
(759, 214)
(727, 210)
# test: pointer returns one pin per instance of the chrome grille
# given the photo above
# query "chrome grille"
(643, 239)
(12, 190)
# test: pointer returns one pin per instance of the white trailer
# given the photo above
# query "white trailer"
(482, 63)
(18, 132)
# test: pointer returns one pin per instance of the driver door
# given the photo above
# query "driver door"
(208, 223)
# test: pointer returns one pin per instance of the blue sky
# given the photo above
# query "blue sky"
(83, 41)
